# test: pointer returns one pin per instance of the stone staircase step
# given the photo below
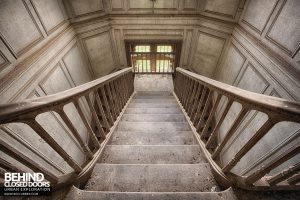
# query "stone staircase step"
(161, 127)
(153, 105)
(154, 101)
(154, 93)
(152, 178)
(146, 138)
(77, 194)
(141, 96)
(171, 110)
(152, 154)
(153, 118)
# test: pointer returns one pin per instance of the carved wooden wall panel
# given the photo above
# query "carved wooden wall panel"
(50, 14)
(225, 8)
(100, 53)
(81, 7)
(257, 14)
(117, 5)
(79, 72)
(232, 65)
(209, 49)
(284, 31)
(19, 31)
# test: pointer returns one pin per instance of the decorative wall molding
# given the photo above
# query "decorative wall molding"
(39, 15)
(223, 14)
(38, 72)
(3, 61)
(268, 70)
(290, 52)
(252, 26)
(18, 52)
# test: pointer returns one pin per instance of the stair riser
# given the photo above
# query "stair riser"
(167, 101)
(153, 118)
(142, 138)
(151, 178)
(153, 105)
(174, 110)
(127, 154)
(153, 126)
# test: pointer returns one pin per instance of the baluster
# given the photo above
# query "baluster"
(192, 99)
(284, 174)
(179, 77)
(114, 98)
(184, 89)
(112, 106)
(294, 180)
(119, 98)
(76, 134)
(195, 103)
(87, 125)
(124, 89)
(230, 132)
(198, 111)
(254, 139)
(206, 105)
(100, 106)
(113, 91)
(24, 159)
(108, 108)
(211, 115)
(94, 113)
(49, 140)
(120, 89)
(286, 155)
(215, 131)
(132, 83)
(189, 97)
(186, 93)
(127, 89)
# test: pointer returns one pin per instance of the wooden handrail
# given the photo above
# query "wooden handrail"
(200, 97)
(267, 104)
(8, 112)
(105, 98)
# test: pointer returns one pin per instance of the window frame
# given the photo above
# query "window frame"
(176, 45)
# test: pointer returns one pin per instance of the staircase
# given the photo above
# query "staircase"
(142, 146)
(152, 154)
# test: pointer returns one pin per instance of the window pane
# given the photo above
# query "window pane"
(164, 48)
(142, 48)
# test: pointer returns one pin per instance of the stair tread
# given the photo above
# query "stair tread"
(154, 105)
(152, 154)
(77, 194)
(151, 93)
(153, 118)
(151, 178)
(156, 100)
(154, 138)
(161, 127)
(147, 110)
(141, 96)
